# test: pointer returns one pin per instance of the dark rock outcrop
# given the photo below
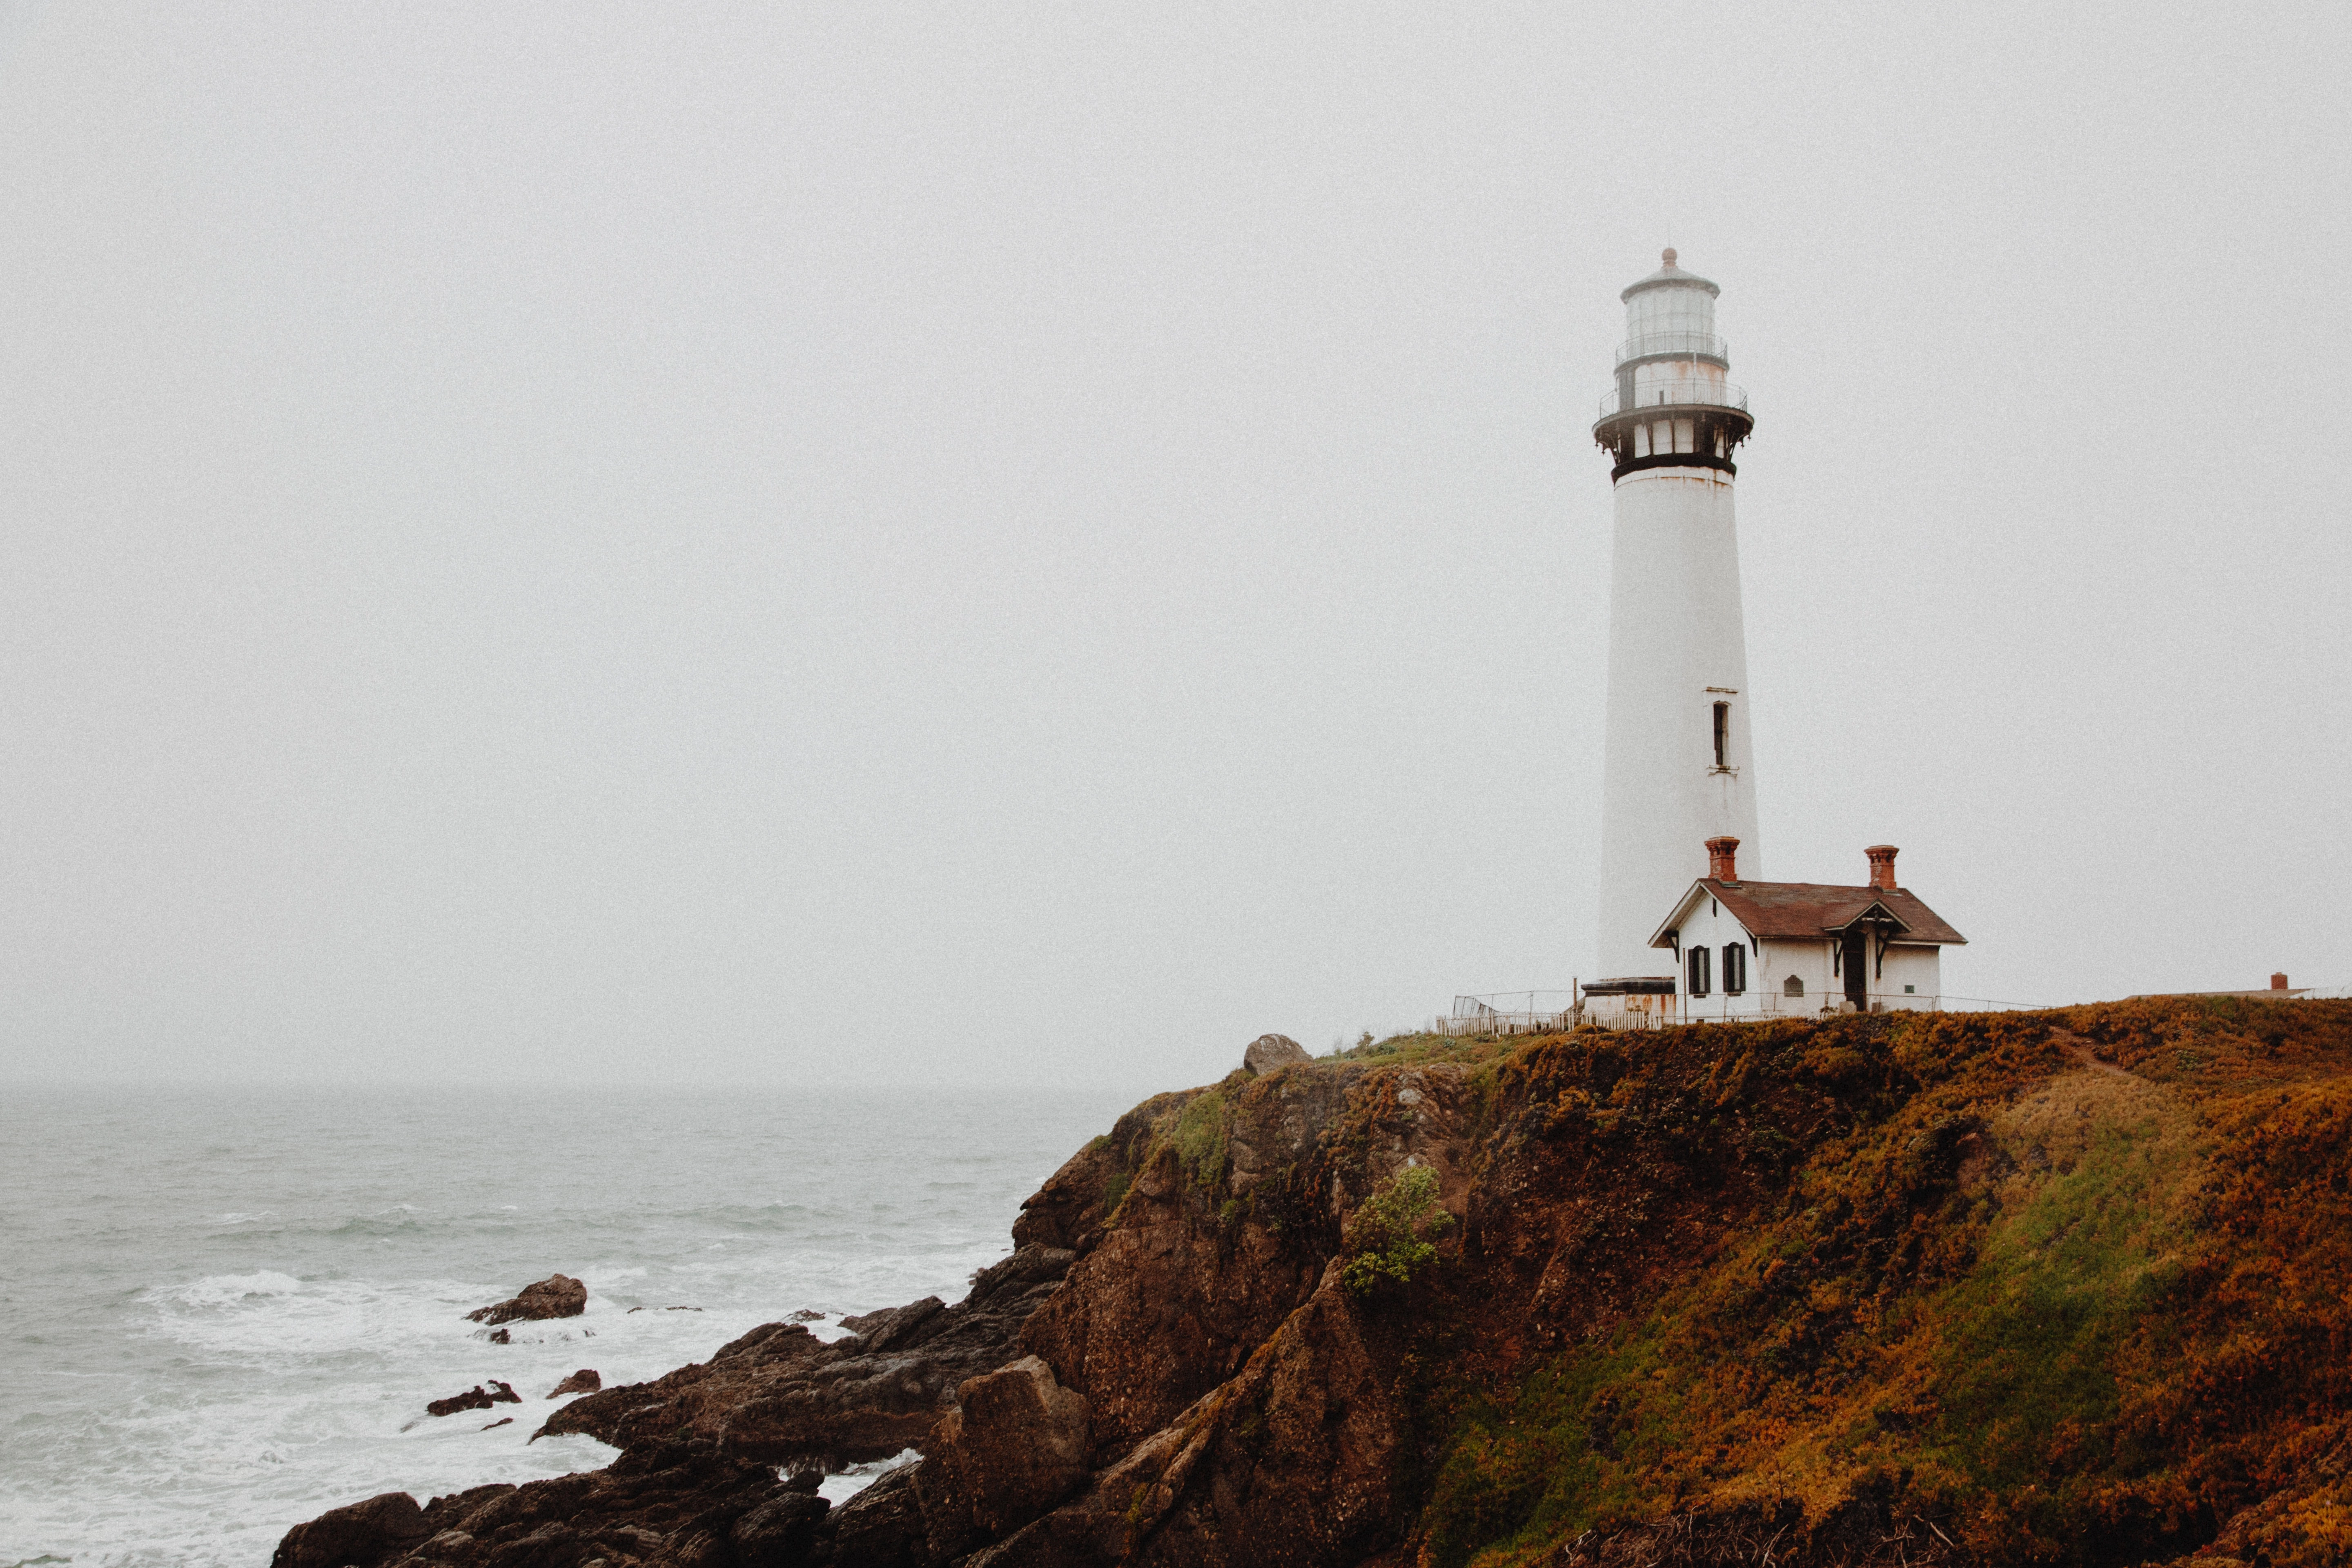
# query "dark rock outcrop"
(781, 1394)
(584, 1381)
(1170, 1301)
(474, 1398)
(881, 1527)
(557, 1296)
(1016, 1445)
(1294, 1461)
(359, 1536)
(671, 1503)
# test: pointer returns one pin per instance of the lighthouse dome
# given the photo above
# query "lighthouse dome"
(1668, 276)
(1671, 311)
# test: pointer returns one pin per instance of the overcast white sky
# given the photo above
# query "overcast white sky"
(580, 542)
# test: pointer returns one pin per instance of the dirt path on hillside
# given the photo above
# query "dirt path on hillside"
(2074, 1045)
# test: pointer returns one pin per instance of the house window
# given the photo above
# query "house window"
(1723, 734)
(1793, 987)
(1700, 962)
(1735, 969)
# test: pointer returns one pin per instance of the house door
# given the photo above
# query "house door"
(1856, 962)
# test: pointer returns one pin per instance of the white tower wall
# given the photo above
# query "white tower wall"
(1679, 767)
(1676, 647)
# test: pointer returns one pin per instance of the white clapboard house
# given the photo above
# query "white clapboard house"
(1754, 950)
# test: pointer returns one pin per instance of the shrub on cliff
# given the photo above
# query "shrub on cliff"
(1385, 1238)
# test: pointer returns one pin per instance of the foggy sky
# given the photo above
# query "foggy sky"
(589, 544)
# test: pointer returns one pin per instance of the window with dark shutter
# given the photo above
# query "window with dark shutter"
(1699, 965)
(1735, 969)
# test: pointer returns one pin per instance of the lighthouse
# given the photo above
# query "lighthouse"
(1677, 769)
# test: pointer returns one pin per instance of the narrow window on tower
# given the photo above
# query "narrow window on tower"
(1723, 734)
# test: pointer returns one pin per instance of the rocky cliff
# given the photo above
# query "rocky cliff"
(2069, 1286)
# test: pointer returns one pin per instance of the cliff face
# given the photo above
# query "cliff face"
(2071, 1287)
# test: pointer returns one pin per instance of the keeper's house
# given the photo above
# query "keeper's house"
(1752, 949)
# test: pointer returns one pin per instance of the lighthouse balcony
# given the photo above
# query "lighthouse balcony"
(1693, 392)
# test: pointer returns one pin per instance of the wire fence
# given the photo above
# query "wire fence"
(1555, 1012)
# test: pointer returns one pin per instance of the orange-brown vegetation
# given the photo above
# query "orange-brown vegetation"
(2064, 1287)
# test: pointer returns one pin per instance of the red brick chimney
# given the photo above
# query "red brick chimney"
(1882, 865)
(2278, 982)
(1722, 859)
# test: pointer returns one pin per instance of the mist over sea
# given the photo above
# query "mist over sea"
(222, 1311)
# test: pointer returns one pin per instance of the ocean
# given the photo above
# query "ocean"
(223, 1311)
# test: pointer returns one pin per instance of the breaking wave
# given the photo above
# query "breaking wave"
(215, 1346)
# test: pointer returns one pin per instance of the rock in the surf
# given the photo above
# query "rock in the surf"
(584, 1381)
(557, 1296)
(474, 1398)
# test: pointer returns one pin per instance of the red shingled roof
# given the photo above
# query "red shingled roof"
(1813, 909)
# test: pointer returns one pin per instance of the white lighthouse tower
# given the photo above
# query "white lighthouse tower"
(1677, 769)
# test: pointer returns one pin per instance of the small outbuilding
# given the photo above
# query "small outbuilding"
(1754, 950)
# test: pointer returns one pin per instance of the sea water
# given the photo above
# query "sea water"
(223, 1311)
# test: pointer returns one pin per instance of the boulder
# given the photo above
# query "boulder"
(474, 1398)
(1016, 1445)
(557, 1296)
(359, 1536)
(1270, 1053)
(584, 1381)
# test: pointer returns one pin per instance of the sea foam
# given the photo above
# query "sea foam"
(209, 1343)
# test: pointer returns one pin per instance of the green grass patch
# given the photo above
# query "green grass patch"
(1199, 1138)
(2026, 1383)
(1570, 1450)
